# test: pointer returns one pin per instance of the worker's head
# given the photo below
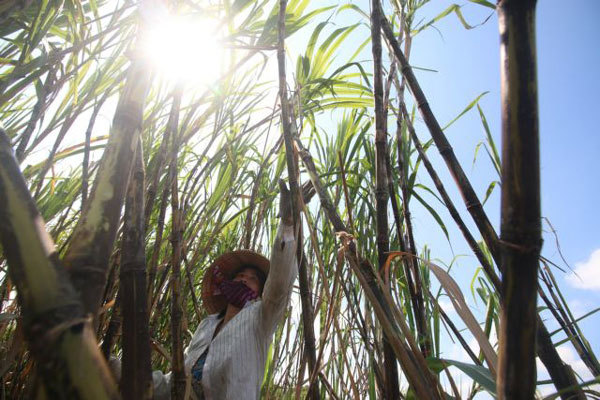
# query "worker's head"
(239, 265)
(251, 276)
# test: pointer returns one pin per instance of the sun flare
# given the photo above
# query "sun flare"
(184, 49)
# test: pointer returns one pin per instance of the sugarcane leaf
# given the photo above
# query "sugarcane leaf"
(467, 108)
(489, 190)
(494, 155)
(239, 5)
(433, 213)
(454, 8)
(554, 332)
(478, 373)
(484, 3)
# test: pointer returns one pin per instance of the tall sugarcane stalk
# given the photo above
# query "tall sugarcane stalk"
(136, 381)
(154, 258)
(92, 242)
(407, 239)
(561, 374)
(59, 335)
(521, 226)
(178, 386)
(293, 174)
(392, 387)
(405, 236)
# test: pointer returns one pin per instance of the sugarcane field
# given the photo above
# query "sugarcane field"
(294, 199)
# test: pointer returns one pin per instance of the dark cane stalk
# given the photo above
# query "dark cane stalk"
(136, 381)
(179, 376)
(293, 173)
(521, 230)
(392, 388)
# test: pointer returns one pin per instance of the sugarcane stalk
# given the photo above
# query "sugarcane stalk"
(413, 275)
(59, 336)
(190, 281)
(136, 381)
(407, 262)
(293, 173)
(157, 171)
(286, 117)
(521, 227)
(392, 387)
(178, 386)
(455, 331)
(93, 238)
(160, 226)
(407, 242)
(110, 295)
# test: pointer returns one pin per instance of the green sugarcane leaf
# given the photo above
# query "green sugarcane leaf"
(484, 3)
(433, 213)
(478, 373)
(467, 108)
(489, 190)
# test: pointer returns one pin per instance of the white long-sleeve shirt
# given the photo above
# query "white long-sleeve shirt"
(235, 364)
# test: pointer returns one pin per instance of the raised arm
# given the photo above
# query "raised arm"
(284, 268)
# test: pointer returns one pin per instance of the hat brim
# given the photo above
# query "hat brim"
(228, 264)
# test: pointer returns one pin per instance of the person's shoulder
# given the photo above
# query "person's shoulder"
(209, 319)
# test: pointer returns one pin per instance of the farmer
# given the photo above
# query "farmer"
(246, 296)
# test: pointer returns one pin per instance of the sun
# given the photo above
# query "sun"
(184, 49)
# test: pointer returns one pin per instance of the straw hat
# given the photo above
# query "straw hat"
(228, 264)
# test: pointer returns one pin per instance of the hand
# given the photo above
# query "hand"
(285, 204)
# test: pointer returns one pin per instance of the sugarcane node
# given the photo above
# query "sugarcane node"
(533, 249)
(472, 204)
(47, 327)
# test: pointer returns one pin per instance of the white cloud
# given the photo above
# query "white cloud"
(587, 274)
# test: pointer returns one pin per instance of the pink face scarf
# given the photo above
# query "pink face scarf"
(236, 293)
